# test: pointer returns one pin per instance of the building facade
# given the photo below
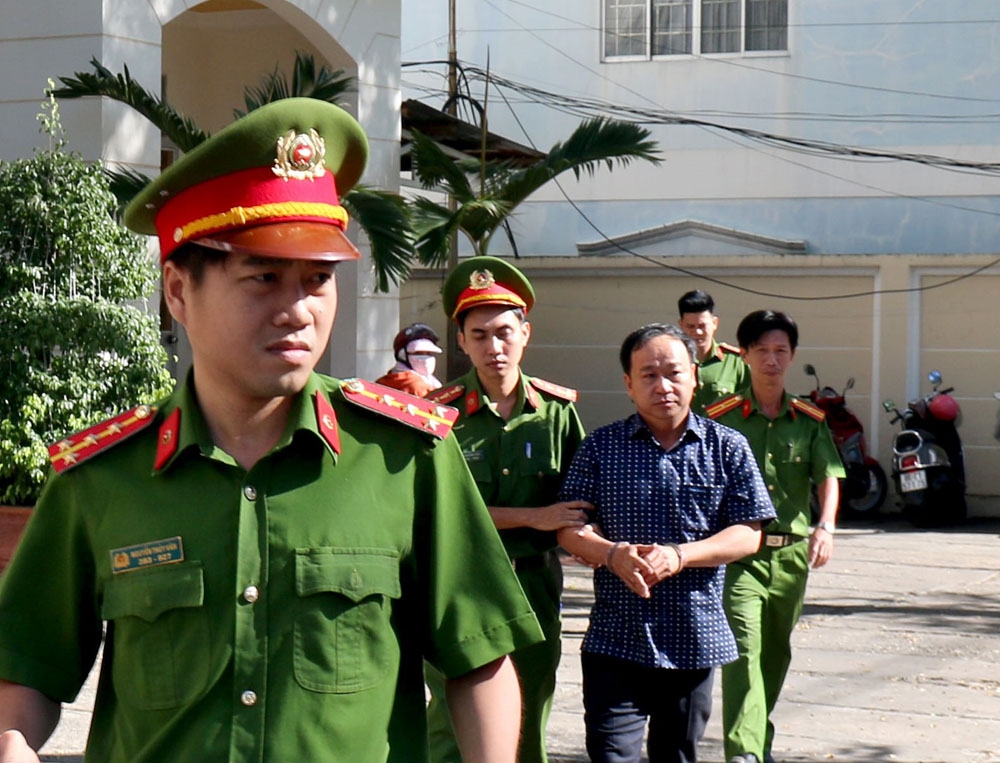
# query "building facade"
(201, 56)
(831, 158)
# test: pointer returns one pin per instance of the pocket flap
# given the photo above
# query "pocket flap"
(351, 572)
(149, 593)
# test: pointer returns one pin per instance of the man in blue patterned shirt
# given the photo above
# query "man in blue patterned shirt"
(675, 498)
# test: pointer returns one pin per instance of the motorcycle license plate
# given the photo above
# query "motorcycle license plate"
(910, 481)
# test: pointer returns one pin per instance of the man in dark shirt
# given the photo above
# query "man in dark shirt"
(675, 498)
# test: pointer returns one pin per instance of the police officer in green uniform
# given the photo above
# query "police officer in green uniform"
(273, 552)
(518, 435)
(764, 592)
(721, 370)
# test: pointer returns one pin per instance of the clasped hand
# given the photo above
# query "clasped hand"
(642, 565)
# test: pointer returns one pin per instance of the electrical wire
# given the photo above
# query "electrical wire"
(737, 287)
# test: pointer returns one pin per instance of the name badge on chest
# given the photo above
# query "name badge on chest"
(142, 555)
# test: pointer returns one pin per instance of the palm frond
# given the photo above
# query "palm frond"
(479, 219)
(593, 143)
(433, 168)
(122, 88)
(272, 87)
(603, 141)
(433, 226)
(125, 184)
(323, 85)
(385, 218)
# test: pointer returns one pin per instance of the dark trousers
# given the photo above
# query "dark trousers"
(619, 697)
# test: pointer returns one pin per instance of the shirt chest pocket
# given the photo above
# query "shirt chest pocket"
(700, 510)
(344, 641)
(161, 657)
(793, 458)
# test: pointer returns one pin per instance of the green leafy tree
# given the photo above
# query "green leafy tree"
(487, 193)
(382, 215)
(74, 347)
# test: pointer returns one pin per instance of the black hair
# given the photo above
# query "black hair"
(645, 334)
(194, 258)
(460, 318)
(696, 301)
(758, 323)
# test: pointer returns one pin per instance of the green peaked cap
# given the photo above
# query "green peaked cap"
(485, 280)
(252, 142)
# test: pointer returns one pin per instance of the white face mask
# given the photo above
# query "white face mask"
(423, 364)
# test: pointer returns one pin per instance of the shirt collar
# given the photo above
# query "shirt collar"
(750, 405)
(693, 428)
(477, 399)
(183, 424)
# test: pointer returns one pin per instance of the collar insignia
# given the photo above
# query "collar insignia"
(300, 156)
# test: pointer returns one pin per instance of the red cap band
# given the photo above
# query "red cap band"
(247, 197)
(495, 294)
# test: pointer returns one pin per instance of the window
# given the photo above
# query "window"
(647, 28)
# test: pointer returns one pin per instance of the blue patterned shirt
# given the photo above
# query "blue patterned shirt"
(643, 494)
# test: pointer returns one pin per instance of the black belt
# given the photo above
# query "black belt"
(780, 540)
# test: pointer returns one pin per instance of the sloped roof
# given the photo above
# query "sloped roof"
(459, 136)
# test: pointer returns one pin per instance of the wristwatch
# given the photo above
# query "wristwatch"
(830, 527)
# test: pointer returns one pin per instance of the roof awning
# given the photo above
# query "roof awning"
(459, 137)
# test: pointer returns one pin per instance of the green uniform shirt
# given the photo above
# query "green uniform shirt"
(279, 614)
(520, 461)
(720, 374)
(794, 451)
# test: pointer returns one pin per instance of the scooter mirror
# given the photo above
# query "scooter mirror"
(934, 377)
(809, 369)
(850, 384)
(996, 395)
(889, 406)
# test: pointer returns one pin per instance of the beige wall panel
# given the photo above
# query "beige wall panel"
(582, 315)
(982, 474)
(971, 371)
(964, 313)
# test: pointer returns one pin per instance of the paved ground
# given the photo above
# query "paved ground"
(897, 656)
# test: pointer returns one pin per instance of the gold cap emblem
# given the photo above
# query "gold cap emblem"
(300, 156)
(481, 279)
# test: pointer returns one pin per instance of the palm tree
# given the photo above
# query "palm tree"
(382, 215)
(502, 186)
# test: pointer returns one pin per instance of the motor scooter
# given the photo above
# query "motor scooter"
(864, 490)
(928, 466)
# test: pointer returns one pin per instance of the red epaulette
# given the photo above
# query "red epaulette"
(77, 448)
(555, 390)
(445, 394)
(417, 412)
(725, 405)
(807, 408)
(729, 348)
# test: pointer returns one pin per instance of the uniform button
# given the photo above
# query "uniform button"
(249, 698)
(251, 593)
(250, 492)
(770, 456)
(505, 471)
(771, 488)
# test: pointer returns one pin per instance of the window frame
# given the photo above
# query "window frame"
(695, 8)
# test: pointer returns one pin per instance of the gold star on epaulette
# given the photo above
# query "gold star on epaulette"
(413, 411)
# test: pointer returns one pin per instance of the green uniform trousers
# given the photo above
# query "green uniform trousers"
(541, 579)
(763, 600)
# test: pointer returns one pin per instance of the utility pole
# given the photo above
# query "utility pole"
(458, 362)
